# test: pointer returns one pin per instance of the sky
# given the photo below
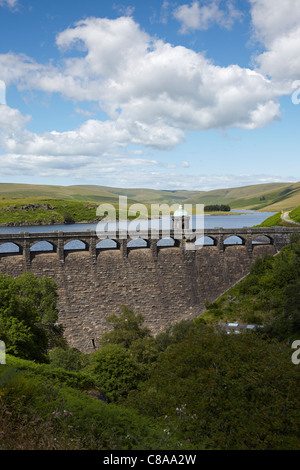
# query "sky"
(194, 95)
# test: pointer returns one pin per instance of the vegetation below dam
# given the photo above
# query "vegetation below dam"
(190, 387)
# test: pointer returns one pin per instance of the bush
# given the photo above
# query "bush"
(68, 358)
(81, 380)
(116, 371)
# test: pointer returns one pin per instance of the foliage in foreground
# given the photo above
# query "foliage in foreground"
(225, 392)
(33, 405)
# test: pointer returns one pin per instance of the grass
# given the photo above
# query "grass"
(24, 204)
(272, 221)
(261, 195)
(31, 211)
(263, 296)
(277, 220)
(45, 211)
(295, 215)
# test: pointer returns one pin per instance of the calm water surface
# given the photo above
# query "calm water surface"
(247, 219)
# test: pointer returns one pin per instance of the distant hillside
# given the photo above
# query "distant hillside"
(284, 197)
(264, 197)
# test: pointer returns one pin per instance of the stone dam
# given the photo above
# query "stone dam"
(164, 283)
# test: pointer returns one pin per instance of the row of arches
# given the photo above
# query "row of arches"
(46, 246)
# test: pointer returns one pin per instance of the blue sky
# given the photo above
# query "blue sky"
(194, 95)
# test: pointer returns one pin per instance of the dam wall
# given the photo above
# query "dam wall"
(164, 284)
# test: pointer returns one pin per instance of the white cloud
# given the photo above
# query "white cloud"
(8, 3)
(2, 92)
(152, 92)
(196, 17)
(276, 25)
(12, 124)
(152, 81)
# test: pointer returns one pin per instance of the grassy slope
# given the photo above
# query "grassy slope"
(41, 410)
(50, 211)
(242, 197)
(266, 197)
(277, 220)
(282, 198)
(295, 215)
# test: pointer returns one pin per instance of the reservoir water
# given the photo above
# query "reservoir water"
(232, 220)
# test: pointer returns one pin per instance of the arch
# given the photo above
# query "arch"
(75, 245)
(137, 243)
(10, 247)
(167, 241)
(234, 240)
(262, 240)
(107, 244)
(42, 246)
(205, 241)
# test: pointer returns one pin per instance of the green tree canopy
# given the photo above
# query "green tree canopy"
(28, 316)
(116, 370)
(127, 328)
(229, 392)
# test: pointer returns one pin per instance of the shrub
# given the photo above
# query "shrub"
(68, 358)
(116, 371)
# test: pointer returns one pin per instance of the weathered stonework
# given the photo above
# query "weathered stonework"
(164, 284)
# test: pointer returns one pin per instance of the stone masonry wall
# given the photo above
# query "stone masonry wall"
(165, 289)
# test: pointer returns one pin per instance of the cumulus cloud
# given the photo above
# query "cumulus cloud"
(152, 92)
(196, 17)
(276, 25)
(148, 83)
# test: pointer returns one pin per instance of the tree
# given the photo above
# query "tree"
(127, 328)
(28, 316)
(116, 370)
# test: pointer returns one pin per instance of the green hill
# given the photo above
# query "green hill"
(263, 197)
